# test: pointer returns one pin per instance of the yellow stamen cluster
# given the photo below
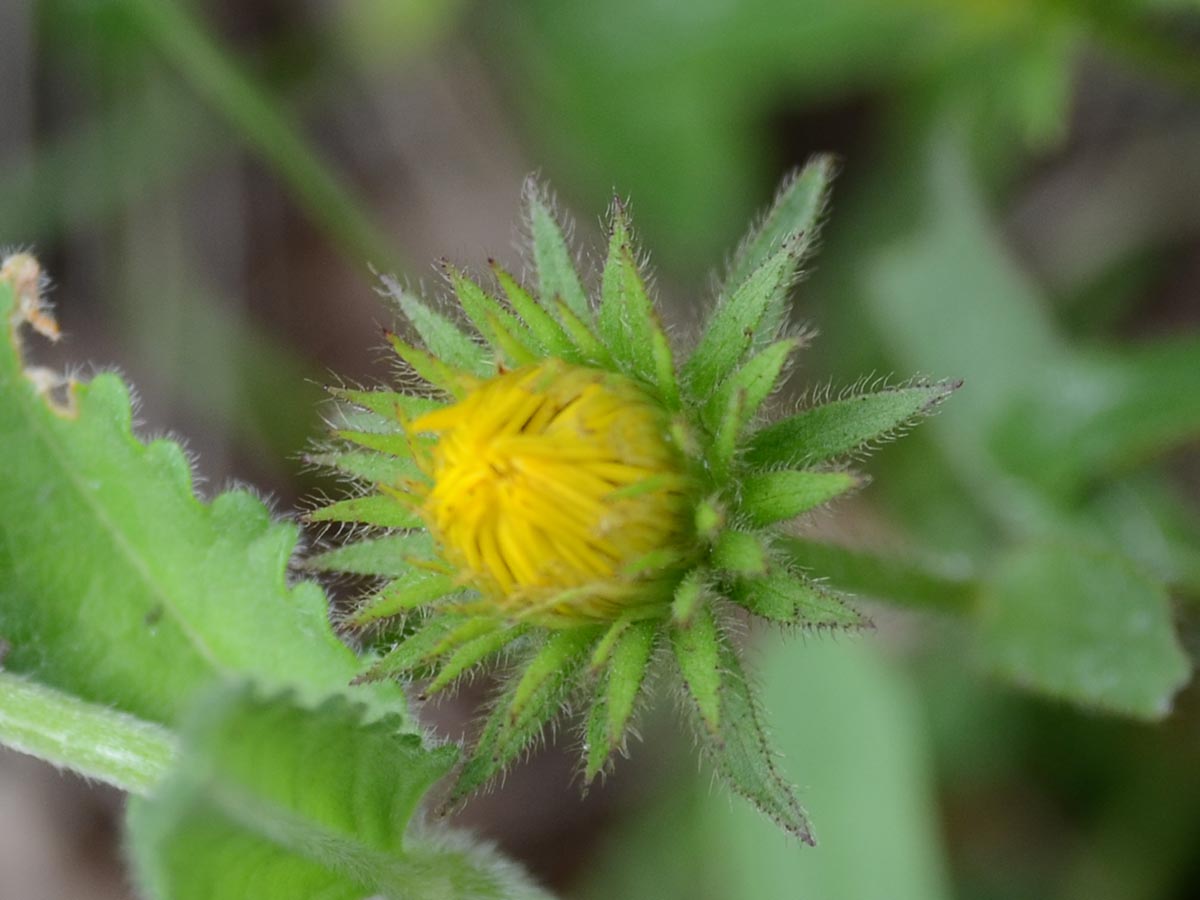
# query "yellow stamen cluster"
(554, 491)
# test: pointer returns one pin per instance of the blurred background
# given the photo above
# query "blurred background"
(214, 185)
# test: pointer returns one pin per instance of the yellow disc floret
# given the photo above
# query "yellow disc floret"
(558, 492)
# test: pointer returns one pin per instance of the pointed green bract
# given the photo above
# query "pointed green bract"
(735, 325)
(844, 426)
(389, 405)
(557, 276)
(376, 468)
(415, 650)
(740, 552)
(471, 653)
(742, 754)
(274, 800)
(617, 693)
(374, 509)
(389, 556)
(404, 595)
(769, 497)
(791, 599)
(627, 321)
(526, 705)
(432, 369)
(492, 320)
(754, 382)
(697, 648)
(796, 210)
(398, 444)
(537, 317)
(589, 346)
(441, 336)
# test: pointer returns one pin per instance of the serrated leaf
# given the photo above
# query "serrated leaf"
(617, 693)
(526, 704)
(557, 276)
(188, 591)
(741, 322)
(768, 497)
(697, 648)
(844, 426)
(389, 556)
(1084, 625)
(743, 757)
(275, 800)
(382, 510)
(754, 381)
(797, 209)
(537, 317)
(791, 599)
(441, 336)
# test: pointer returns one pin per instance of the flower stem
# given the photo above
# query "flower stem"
(93, 740)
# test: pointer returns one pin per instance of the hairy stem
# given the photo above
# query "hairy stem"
(93, 740)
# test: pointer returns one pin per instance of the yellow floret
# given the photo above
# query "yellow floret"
(559, 493)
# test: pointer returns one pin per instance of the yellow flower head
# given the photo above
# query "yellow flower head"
(555, 490)
(571, 501)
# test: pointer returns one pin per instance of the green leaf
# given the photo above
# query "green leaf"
(188, 591)
(768, 497)
(441, 336)
(526, 704)
(589, 347)
(1083, 625)
(390, 556)
(397, 444)
(1114, 410)
(743, 756)
(750, 317)
(471, 653)
(373, 509)
(93, 740)
(697, 648)
(791, 599)
(276, 800)
(845, 426)
(557, 276)
(797, 210)
(617, 693)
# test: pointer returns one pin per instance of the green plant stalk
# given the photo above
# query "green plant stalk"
(93, 740)
(184, 44)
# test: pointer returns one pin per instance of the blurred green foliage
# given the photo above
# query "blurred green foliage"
(1046, 504)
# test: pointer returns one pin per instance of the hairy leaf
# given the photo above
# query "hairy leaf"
(116, 583)
(276, 800)
(791, 599)
(557, 277)
(617, 693)
(1084, 625)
